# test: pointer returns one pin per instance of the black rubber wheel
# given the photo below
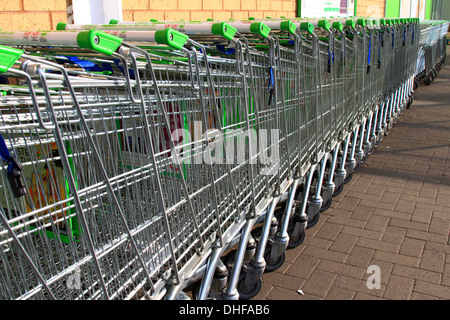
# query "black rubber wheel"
(357, 166)
(348, 178)
(295, 242)
(326, 205)
(410, 101)
(338, 190)
(427, 81)
(273, 265)
(246, 293)
(364, 158)
(313, 221)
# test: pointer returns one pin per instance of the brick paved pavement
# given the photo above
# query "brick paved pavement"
(394, 213)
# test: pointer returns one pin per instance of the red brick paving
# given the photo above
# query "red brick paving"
(394, 213)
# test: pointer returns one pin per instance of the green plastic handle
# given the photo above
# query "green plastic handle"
(260, 28)
(61, 26)
(289, 26)
(172, 38)
(8, 56)
(307, 26)
(223, 29)
(350, 23)
(324, 24)
(98, 41)
(338, 26)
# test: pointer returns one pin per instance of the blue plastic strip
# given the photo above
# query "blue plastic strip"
(271, 81)
(5, 155)
(86, 65)
(227, 51)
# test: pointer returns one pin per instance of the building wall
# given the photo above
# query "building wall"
(371, 8)
(46, 14)
(144, 10)
(32, 14)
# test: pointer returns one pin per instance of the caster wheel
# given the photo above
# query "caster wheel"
(326, 205)
(372, 147)
(348, 178)
(294, 242)
(249, 291)
(275, 264)
(427, 81)
(357, 166)
(296, 239)
(410, 101)
(313, 221)
(338, 190)
(364, 158)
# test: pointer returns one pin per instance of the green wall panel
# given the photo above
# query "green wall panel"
(392, 8)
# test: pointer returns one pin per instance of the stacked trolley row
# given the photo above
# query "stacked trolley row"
(432, 52)
(143, 158)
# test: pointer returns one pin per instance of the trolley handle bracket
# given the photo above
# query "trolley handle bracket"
(8, 56)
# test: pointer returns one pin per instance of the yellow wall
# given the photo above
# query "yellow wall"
(46, 14)
(32, 14)
(371, 8)
(144, 10)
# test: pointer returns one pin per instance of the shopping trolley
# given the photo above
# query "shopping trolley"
(432, 50)
(120, 156)
(173, 233)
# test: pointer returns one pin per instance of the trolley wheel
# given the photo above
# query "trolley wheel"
(372, 147)
(295, 242)
(348, 178)
(427, 81)
(377, 141)
(416, 85)
(410, 101)
(273, 265)
(326, 205)
(357, 166)
(364, 158)
(313, 221)
(338, 190)
(250, 291)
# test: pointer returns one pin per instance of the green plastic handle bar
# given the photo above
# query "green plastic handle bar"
(361, 22)
(324, 24)
(350, 23)
(8, 56)
(307, 26)
(289, 26)
(223, 29)
(61, 26)
(338, 26)
(260, 28)
(98, 41)
(172, 38)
